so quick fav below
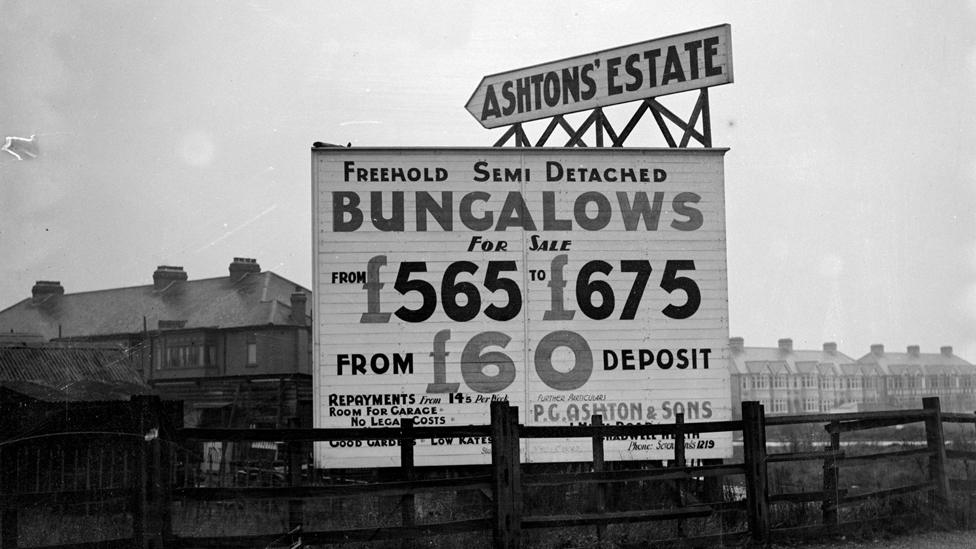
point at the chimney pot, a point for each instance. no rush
(45, 288)
(242, 266)
(877, 349)
(166, 275)
(914, 350)
(786, 345)
(830, 347)
(737, 344)
(946, 351)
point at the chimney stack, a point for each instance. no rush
(242, 266)
(786, 345)
(737, 344)
(946, 351)
(830, 347)
(914, 350)
(45, 288)
(298, 307)
(877, 349)
(166, 275)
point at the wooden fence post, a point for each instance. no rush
(935, 440)
(515, 453)
(831, 478)
(150, 514)
(754, 450)
(8, 475)
(503, 472)
(293, 449)
(408, 504)
(8, 507)
(679, 461)
(598, 466)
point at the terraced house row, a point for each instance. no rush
(236, 349)
(795, 381)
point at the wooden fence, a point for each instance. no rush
(157, 464)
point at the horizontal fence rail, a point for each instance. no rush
(151, 465)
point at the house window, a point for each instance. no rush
(186, 351)
(252, 349)
(811, 405)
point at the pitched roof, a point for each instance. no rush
(905, 369)
(793, 361)
(942, 369)
(258, 298)
(70, 371)
(767, 367)
(827, 369)
(915, 362)
(806, 366)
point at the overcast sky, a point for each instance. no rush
(178, 133)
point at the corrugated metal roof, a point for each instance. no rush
(70, 372)
(256, 299)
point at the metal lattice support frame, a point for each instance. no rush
(603, 130)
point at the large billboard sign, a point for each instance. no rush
(682, 62)
(569, 282)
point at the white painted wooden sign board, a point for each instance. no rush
(570, 282)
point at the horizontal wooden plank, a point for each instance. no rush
(863, 425)
(66, 497)
(338, 536)
(631, 475)
(393, 433)
(656, 429)
(802, 456)
(867, 458)
(582, 519)
(801, 497)
(719, 506)
(335, 490)
(957, 417)
(125, 543)
(289, 435)
(960, 454)
(908, 416)
(908, 489)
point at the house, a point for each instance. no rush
(791, 381)
(235, 349)
(787, 380)
(912, 374)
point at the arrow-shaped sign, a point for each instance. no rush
(681, 62)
